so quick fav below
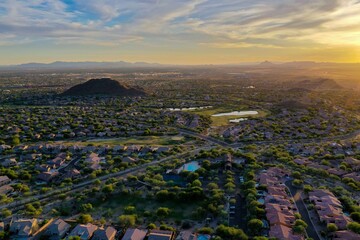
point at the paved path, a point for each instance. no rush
(296, 193)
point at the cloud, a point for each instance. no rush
(203, 23)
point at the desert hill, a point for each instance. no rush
(103, 86)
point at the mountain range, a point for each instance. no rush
(122, 64)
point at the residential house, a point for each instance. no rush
(128, 160)
(337, 172)
(93, 161)
(355, 176)
(47, 176)
(6, 189)
(162, 149)
(108, 233)
(23, 228)
(84, 231)
(134, 234)
(9, 162)
(73, 174)
(119, 148)
(329, 208)
(58, 161)
(353, 163)
(57, 230)
(4, 147)
(161, 235)
(4, 180)
(282, 232)
(345, 235)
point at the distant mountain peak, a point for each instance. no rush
(266, 63)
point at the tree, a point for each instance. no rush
(205, 230)
(129, 209)
(231, 233)
(15, 140)
(108, 189)
(162, 195)
(206, 164)
(308, 188)
(297, 182)
(355, 216)
(212, 186)
(196, 183)
(354, 226)
(162, 212)
(97, 182)
(255, 226)
(85, 208)
(299, 226)
(331, 227)
(74, 238)
(85, 218)
(6, 213)
(127, 220)
(151, 226)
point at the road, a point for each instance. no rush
(296, 193)
(204, 137)
(82, 185)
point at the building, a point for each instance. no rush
(2, 226)
(58, 161)
(6, 189)
(161, 235)
(329, 208)
(84, 231)
(10, 162)
(346, 235)
(93, 161)
(47, 176)
(108, 233)
(57, 230)
(4, 180)
(23, 228)
(134, 234)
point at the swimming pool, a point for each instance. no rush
(203, 237)
(191, 166)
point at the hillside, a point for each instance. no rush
(103, 86)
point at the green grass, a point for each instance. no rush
(224, 120)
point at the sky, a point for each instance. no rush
(179, 31)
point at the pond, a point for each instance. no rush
(237, 120)
(236, 113)
(191, 167)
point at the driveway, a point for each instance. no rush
(296, 193)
